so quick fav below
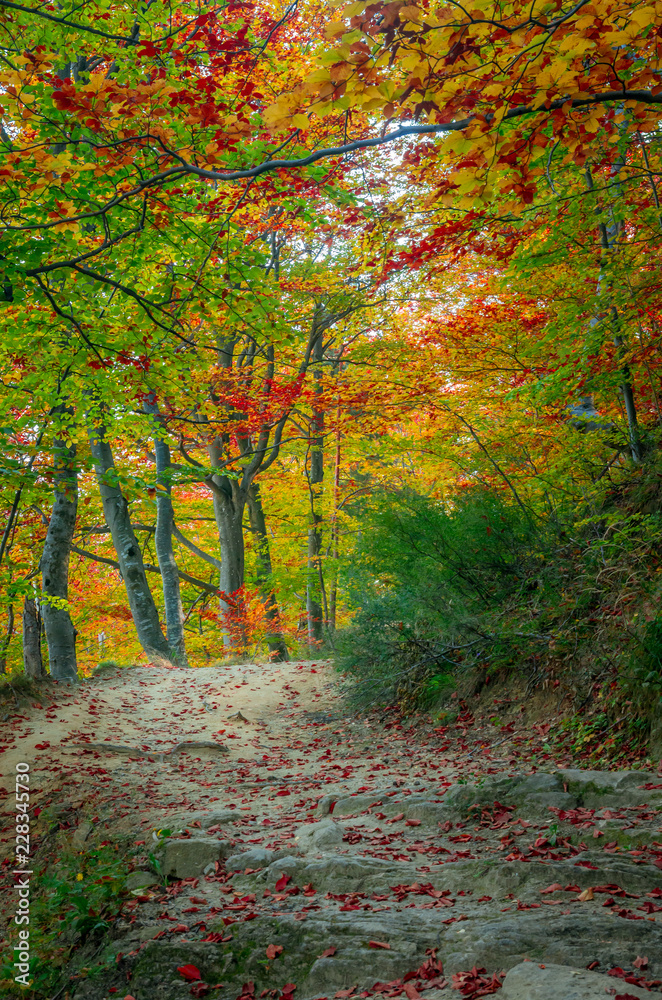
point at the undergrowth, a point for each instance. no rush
(457, 592)
(74, 901)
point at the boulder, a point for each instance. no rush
(578, 937)
(186, 858)
(619, 789)
(319, 836)
(529, 981)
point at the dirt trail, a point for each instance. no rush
(325, 855)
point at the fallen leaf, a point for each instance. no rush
(329, 952)
(274, 950)
(282, 882)
(189, 972)
(379, 944)
(584, 896)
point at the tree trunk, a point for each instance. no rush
(54, 565)
(315, 584)
(165, 555)
(33, 663)
(275, 640)
(608, 239)
(229, 505)
(333, 596)
(4, 645)
(116, 510)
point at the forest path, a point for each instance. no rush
(335, 854)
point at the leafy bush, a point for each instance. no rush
(483, 584)
(436, 584)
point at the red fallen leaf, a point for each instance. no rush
(593, 965)
(329, 952)
(42, 746)
(282, 882)
(379, 944)
(625, 996)
(200, 990)
(411, 992)
(189, 972)
(641, 962)
(554, 887)
(288, 989)
(274, 950)
(412, 822)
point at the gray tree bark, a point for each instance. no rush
(229, 505)
(275, 640)
(4, 645)
(165, 555)
(33, 664)
(54, 565)
(315, 583)
(116, 510)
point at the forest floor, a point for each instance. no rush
(317, 853)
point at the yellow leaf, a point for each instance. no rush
(300, 121)
(334, 29)
(352, 9)
(96, 83)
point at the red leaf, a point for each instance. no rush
(412, 822)
(274, 950)
(379, 944)
(329, 952)
(282, 882)
(189, 972)
(641, 962)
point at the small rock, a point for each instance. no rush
(206, 819)
(81, 834)
(325, 803)
(257, 857)
(140, 880)
(186, 858)
(237, 717)
(529, 981)
(318, 836)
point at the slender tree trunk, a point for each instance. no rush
(165, 555)
(315, 584)
(33, 663)
(4, 645)
(116, 510)
(333, 596)
(275, 640)
(60, 631)
(608, 240)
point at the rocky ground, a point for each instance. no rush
(323, 855)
